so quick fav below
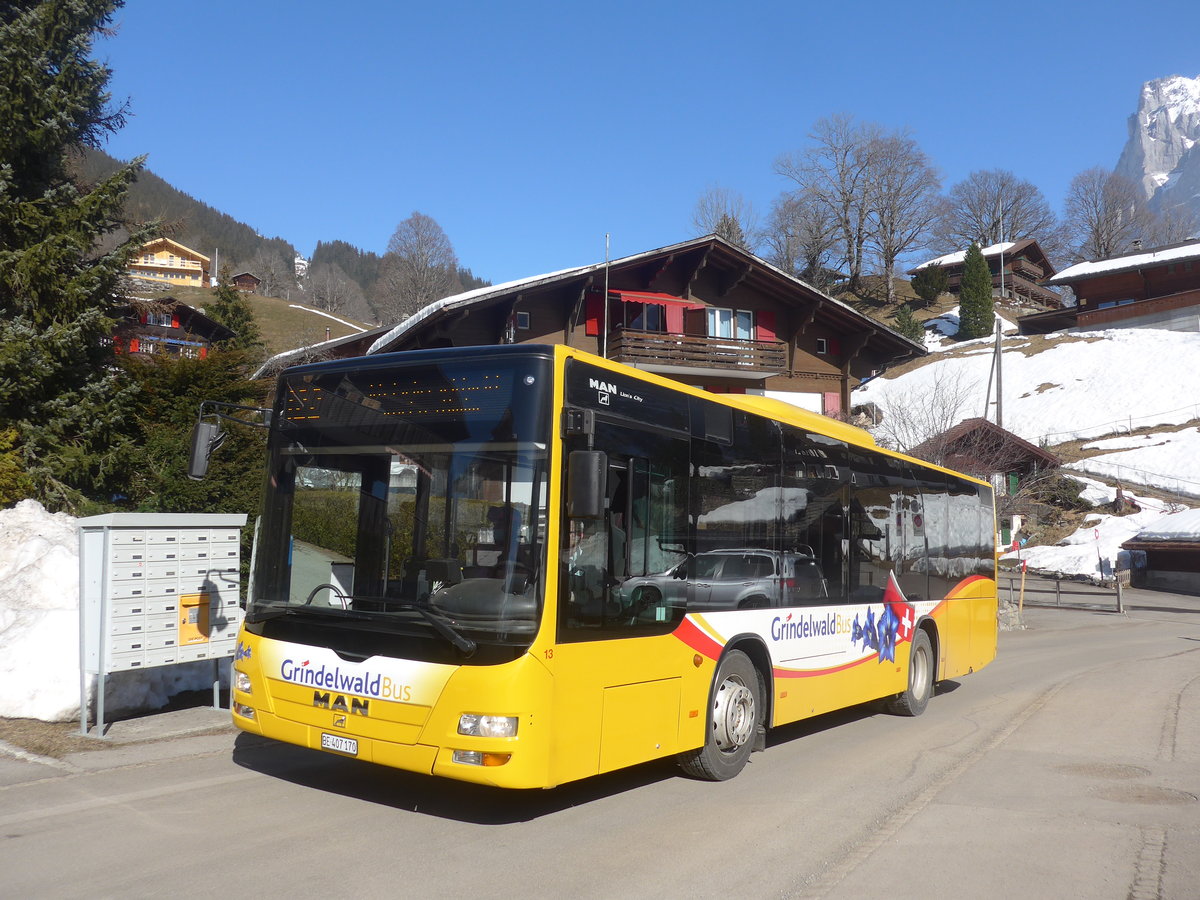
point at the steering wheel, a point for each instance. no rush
(337, 592)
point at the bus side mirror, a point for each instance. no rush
(206, 437)
(586, 472)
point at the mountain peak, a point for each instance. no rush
(1159, 154)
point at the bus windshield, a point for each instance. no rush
(408, 499)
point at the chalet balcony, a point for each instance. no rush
(680, 353)
(1027, 270)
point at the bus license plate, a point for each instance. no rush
(339, 743)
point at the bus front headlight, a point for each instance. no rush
(241, 681)
(487, 726)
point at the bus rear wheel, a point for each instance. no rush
(735, 712)
(920, 679)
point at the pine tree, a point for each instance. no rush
(930, 282)
(975, 305)
(231, 309)
(729, 228)
(907, 325)
(58, 287)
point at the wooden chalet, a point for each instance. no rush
(704, 312)
(982, 448)
(167, 328)
(1156, 288)
(1019, 277)
(169, 263)
(1166, 554)
(246, 282)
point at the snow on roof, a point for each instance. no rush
(954, 259)
(1180, 526)
(454, 301)
(1162, 256)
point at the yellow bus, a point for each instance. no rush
(524, 565)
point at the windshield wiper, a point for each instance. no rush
(441, 626)
(276, 610)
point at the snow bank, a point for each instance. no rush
(1100, 537)
(39, 628)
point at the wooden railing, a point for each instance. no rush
(643, 347)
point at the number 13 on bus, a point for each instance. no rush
(525, 565)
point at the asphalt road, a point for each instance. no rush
(1068, 768)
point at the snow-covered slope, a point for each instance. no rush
(1061, 387)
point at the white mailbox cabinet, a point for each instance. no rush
(156, 589)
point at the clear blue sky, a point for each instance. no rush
(529, 130)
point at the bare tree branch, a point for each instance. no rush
(727, 213)
(904, 186)
(990, 206)
(1105, 214)
(419, 267)
(800, 237)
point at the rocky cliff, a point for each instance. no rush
(1163, 151)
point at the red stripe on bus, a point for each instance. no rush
(698, 639)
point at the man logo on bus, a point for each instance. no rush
(337, 703)
(605, 390)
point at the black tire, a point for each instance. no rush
(912, 701)
(735, 715)
(754, 603)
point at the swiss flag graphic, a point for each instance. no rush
(904, 613)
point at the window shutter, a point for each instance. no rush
(831, 403)
(674, 319)
(595, 309)
(764, 325)
(133, 345)
(174, 320)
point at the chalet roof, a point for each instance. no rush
(713, 249)
(178, 246)
(309, 352)
(979, 427)
(191, 318)
(1139, 259)
(250, 274)
(1177, 528)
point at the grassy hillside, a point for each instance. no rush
(284, 325)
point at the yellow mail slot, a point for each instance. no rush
(193, 619)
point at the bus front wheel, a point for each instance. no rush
(920, 678)
(735, 712)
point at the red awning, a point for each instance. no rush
(655, 299)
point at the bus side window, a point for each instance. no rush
(618, 572)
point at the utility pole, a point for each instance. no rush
(999, 378)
